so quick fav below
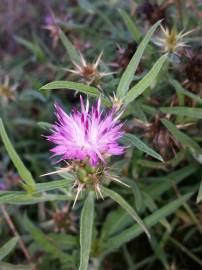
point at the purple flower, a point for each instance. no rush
(48, 19)
(3, 186)
(86, 135)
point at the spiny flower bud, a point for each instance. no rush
(89, 71)
(86, 139)
(52, 26)
(7, 91)
(170, 40)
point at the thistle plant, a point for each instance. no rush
(85, 140)
(113, 164)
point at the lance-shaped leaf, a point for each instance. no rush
(134, 231)
(8, 266)
(135, 141)
(8, 247)
(86, 89)
(121, 201)
(72, 52)
(184, 139)
(25, 198)
(199, 197)
(136, 34)
(83, 88)
(183, 111)
(86, 230)
(161, 184)
(22, 170)
(178, 87)
(128, 74)
(32, 46)
(45, 243)
(147, 81)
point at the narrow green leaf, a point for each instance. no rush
(120, 200)
(8, 266)
(128, 74)
(44, 125)
(24, 198)
(22, 170)
(64, 241)
(163, 183)
(186, 251)
(136, 34)
(118, 217)
(89, 90)
(184, 139)
(72, 52)
(83, 88)
(183, 111)
(53, 185)
(44, 242)
(146, 82)
(33, 47)
(135, 141)
(199, 197)
(178, 87)
(86, 230)
(134, 231)
(8, 247)
(87, 6)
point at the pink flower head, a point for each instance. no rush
(86, 135)
(48, 19)
(3, 186)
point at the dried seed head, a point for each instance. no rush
(173, 266)
(152, 12)
(52, 26)
(7, 91)
(125, 54)
(89, 71)
(80, 45)
(161, 139)
(170, 40)
(193, 70)
(116, 102)
(12, 179)
(64, 220)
